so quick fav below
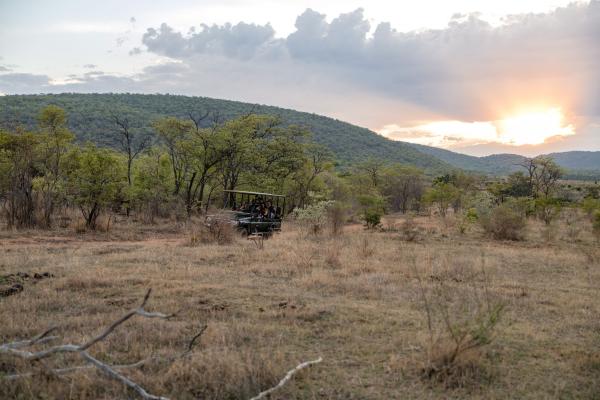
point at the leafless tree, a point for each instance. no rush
(130, 146)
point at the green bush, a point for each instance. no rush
(372, 218)
(590, 206)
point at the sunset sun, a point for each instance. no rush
(534, 127)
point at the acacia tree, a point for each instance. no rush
(152, 188)
(174, 133)
(206, 152)
(18, 160)
(319, 160)
(543, 175)
(373, 168)
(95, 178)
(54, 142)
(442, 195)
(403, 186)
(243, 150)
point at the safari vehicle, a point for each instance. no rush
(255, 212)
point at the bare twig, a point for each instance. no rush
(193, 341)
(286, 378)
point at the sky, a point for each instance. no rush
(477, 77)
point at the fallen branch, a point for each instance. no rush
(14, 348)
(286, 378)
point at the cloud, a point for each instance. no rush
(23, 83)
(443, 133)
(374, 75)
(90, 66)
(4, 69)
(470, 69)
(241, 41)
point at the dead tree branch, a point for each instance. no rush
(15, 348)
(286, 378)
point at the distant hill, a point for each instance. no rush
(578, 160)
(577, 164)
(90, 119)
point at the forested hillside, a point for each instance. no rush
(90, 118)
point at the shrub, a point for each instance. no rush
(332, 258)
(590, 206)
(216, 231)
(336, 215)
(504, 223)
(372, 218)
(313, 217)
(469, 217)
(461, 323)
(410, 231)
(547, 209)
(573, 222)
(453, 358)
(596, 225)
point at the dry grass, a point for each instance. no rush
(353, 299)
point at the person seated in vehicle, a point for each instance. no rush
(271, 210)
(265, 211)
(253, 207)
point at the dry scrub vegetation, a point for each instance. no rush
(416, 309)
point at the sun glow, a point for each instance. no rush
(533, 127)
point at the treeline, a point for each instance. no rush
(186, 165)
(183, 171)
(501, 207)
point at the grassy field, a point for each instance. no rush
(374, 305)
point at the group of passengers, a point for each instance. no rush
(261, 209)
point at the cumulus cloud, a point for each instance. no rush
(4, 69)
(469, 69)
(241, 41)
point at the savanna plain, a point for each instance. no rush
(415, 309)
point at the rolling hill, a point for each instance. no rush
(90, 119)
(577, 164)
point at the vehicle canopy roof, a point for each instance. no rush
(253, 193)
